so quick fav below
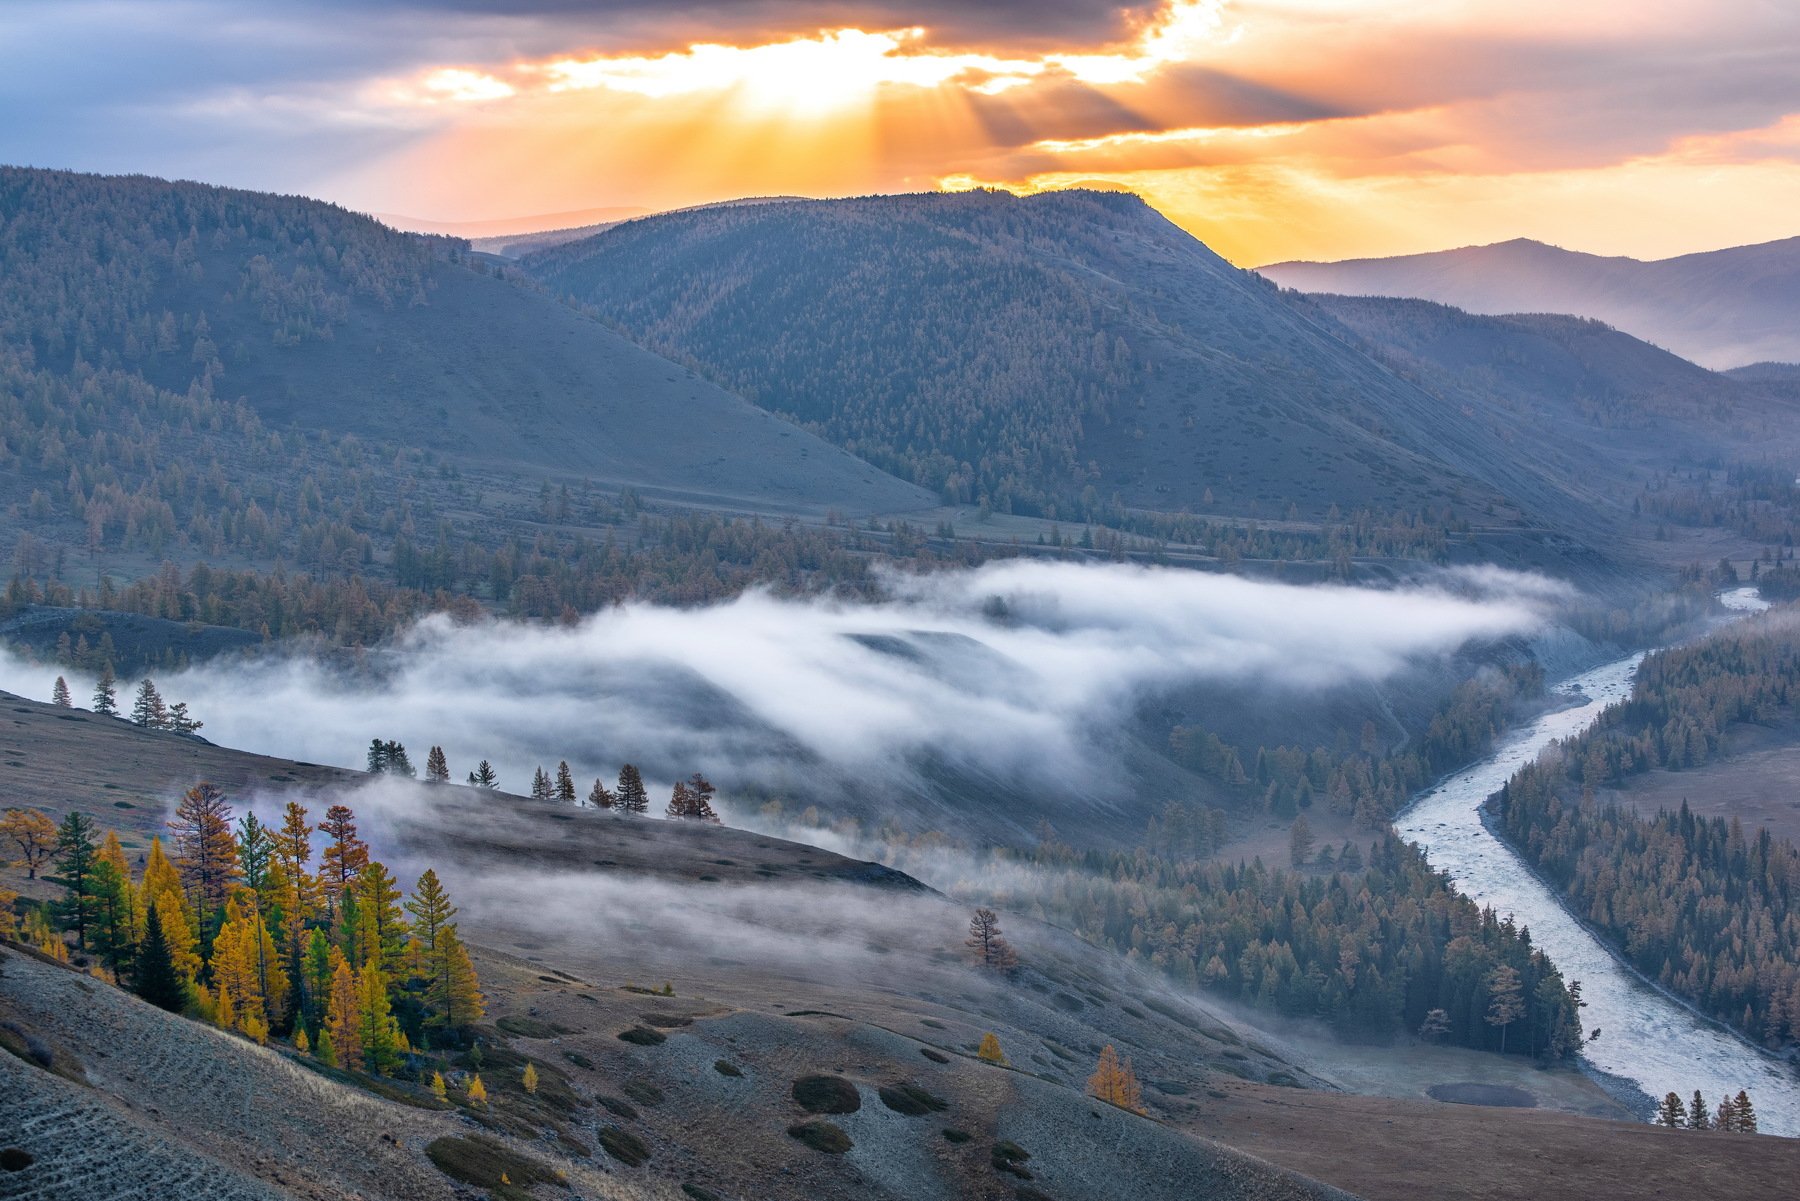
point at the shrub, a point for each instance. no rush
(910, 1099)
(528, 1027)
(725, 1067)
(826, 1094)
(643, 1036)
(1008, 1156)
(643, 1092)
(617, 1107)
(488, 1164)
(952, 1135)
(624, 1146)
(934, 1056)
(821, 1135)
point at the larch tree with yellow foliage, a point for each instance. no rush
(453, 992)
(477, 1090)
(342, 1017)
(377, 1032)
(529, 1080)
(1114, 1082)
(990, 1051)
(381, 930)
(162, 887)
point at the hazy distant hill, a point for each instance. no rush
(1043, 352)
(320, 318)
(1722, 308)
(517, 244)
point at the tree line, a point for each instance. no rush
(239, 925)
(1694, 903)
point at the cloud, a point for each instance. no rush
(1023, 673)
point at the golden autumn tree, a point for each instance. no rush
(529, 1080)
(345, 855)
(453, 991)
(1114, 1082)
(381, 930)
(377, 1033)
(162, 888)
(206, 854)
(342, 1016)
(989, 1050)
(477, 1090)
(30, 836)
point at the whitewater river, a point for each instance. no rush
(1646, 1038)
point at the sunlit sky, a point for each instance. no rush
(1272, 129)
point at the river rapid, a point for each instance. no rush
(1648, 1040)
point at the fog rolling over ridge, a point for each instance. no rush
(1022, 674)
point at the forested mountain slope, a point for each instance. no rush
(1026, 350)
(1591, 405)
(1050, 353)
(1721, 308)
(127, 293)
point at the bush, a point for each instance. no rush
(952, 1135)
(643, 1036)
(1010, 1157)
(826, 1094)
(910, 1099)
(821, 1135)
(725, 1067)
(617, 1107)
(624, 1146)
(526, 1027)
(488, 1164)
(934, 1056)
(643, 1092)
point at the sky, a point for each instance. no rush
(1271, 129)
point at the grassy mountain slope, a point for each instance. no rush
(1721, 308)
(322, 319)
(1026, 350)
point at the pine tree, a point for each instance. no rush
(33, 834)
(431, 910)
(106, 693)
(600, 798)
(157, 980)
(345, 855)
(437, 768)
(326, 1051)
(381, 927)
(163, 888)
(1744, 1114)
(1435, 1026)
(112, 905)
(292, 846)
(343, 1020)
(454, 992)
(1114, 1083)
(1697, 1113)
(681, 802)
(1725, 1116)
(398, 762)
(59, 694)
(540, 786)
(148, 710)
(1300, 842)
(256, 854)
(377, 1031)
(700, 794)
(1672, 1113)
(205, 854)
(1506, 1000)
(377, 761)
(180, 722)
(565, 783)
(989, 1051)
(484, 776)
(529, 1080)
(75, 855)
(990, 947)
(632, 796)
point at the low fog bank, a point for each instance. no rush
(1017, 678)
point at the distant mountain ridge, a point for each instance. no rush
(1719, 308)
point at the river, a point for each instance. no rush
(1647, 1039)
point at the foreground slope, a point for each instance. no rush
(322, 319)
(1721, 308)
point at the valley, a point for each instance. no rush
(928, 556)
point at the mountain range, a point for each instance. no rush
(1720, 308)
